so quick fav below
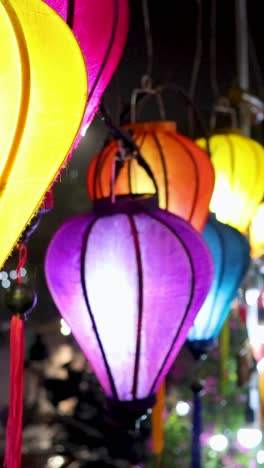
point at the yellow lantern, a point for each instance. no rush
(256, 232)
(43, 93)
(239, 174)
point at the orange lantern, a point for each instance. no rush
(182, 171)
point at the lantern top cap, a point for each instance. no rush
(129, 204)
(159, 126)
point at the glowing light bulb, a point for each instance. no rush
(251, 296)
(13, 274)
(56, 462)
(182, 408)
(249, 437)
(260, 457)
(6, 283)
(65, 329)
(218, 442)
(260, 366)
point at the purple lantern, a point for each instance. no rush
(101, 28)
(129, 281)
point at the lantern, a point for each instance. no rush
(182, 171)
(239, 171)
(256, 232)
(230, 252)
(101, 29)
(43, 96)
(129, 283)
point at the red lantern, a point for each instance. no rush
(100, 28)
(182, 171)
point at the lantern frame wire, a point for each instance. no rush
(129, 146)
(130, 207)
(126, 146)
(191, 295)
(70, 22)
(204, 343)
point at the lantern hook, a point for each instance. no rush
(127, 148)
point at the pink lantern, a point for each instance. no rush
(101, 28)
(129, 282)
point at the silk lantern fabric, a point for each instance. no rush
(239, 171)
(43, 96)
(182, 171)
(129, 285)
(230, 252)
(256, 232)
(101, 28)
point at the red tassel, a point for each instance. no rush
(15, 416)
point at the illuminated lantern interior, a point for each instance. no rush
(230, 252)
(256, 232)
(239, 173)
(101, 29)
(43, 95)
(129, 285)
(182, 171)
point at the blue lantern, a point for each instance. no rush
(231, 257)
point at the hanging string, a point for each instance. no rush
(256, 65)
(213, 74)
(196, 61)
(146, 78)
(22, 258)
(198, 50)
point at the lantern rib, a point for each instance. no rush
(195, 196)
(185, 315)
(156, 140)
(25, 92)
(245, 265)
(258, 172)
(232, 163)
(102, 158)
(70, 13)
(130, 162)
(86, 298)
(222, 270)
(108, 50)
(140, 303)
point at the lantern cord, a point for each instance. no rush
(146, 78)
(255, 64)
(198, 50)
(22, 258)
(171, 86)
(130, 147)
(213, 74)
(15, 415)
(196, 62)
